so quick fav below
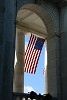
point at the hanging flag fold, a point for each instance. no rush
(32, 53)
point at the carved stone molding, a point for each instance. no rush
(38, 1)
(62, 3)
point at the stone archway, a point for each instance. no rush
(53, 21)
(49, 17)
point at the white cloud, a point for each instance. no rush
(28, 89)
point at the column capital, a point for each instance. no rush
(18, 30)
(53, 36)
(21, 29)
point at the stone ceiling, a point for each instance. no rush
(30, 22)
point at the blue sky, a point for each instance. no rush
(36, 81)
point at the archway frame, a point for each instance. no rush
(50, 17)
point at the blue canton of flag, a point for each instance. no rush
(32, 53)
(39, 43)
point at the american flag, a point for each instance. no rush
(32, 53)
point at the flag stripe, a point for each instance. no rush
(32, 53)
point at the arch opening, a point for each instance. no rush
(39, 22)
(29, 22)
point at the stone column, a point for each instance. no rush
(19, 68)
(7, 30)
(46, 87)
(63, 28)
(2, 17)
(46, 82)
(53, 66)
